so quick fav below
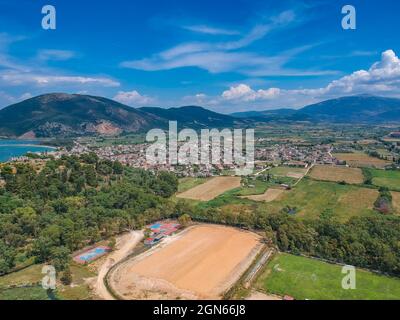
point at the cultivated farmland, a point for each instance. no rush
(361, 160)
(337, 174)
(311, 198)
(269, 195)
(396, 201)
(385, 178)
(305, 278)
(201, 262)
(211, 189)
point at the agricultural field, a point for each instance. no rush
(396, 201)
(290, 172)
(201, 262)
(361, 160)
(311, 198)
(211, 189)
(305, 278)
(189, 183)
(385, 178)
(269, 195)
(337, 174)
(33, 276)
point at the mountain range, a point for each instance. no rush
(352, 109)
(63, 115)
(60, 114)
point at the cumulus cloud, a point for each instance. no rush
(243, 92)
(133, 98)
(382, 78)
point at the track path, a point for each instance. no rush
(125, 244)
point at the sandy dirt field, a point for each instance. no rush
(211, 189)
(125, 244)
(269, 195)
(396, 201)
(337, 174)
(361, 160)
(201, 262)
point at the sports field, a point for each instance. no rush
(305, 278)
(337, 174)
(211, 189)
(269, 195)
(201, 262)
(386, 178)
(312, 198)
(361, 160)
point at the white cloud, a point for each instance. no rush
(15, 72)
(16, 78)
(211, 30)
(133, 98)
(58, 55)
(243, 92)
(382, 78)
(6, 99)
(218, 57)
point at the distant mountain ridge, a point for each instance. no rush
(351, 109)
(193, 117)
(60, 114)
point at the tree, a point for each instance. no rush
(60, 258)
(185, 220)
(112, 242)
(147, 233)
(66, 277)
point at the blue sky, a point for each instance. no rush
(228, 56)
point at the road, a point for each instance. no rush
(124, 246)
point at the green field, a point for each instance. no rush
(189, 183)
(283, 171)
(386, 178)
(34, 293)
(33, 275)
(311, 198)
(304, 278)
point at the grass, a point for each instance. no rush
(305, 278)
(33, 275)
(34, 293)
(283, 171)
(386, 178)
(359, 159)
(189, 183)
(311, 198)
(337, 174)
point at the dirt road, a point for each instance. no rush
(124, 246)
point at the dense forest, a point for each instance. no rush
(46, 213)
